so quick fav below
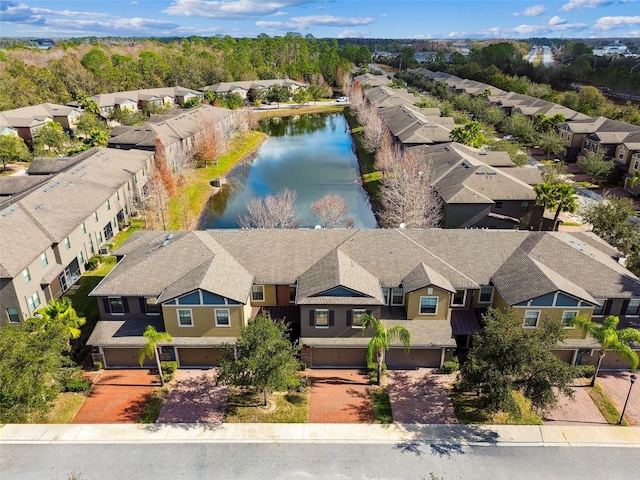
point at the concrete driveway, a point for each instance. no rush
(194, 398)
(339, 396)
(118, 396)
(421, 396)
(617, 384)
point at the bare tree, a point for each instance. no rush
(157, 198)
(387, 154)
(247, 119)
(330, 211)
(408, 197)
(374, 127)
(272, 211)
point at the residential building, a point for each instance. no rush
(410, 125)
(26, 121)
(242, 87)
(203, 286)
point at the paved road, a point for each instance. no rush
(311, 461)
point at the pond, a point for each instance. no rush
(311, 154)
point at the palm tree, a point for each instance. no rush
(381, 341)
(545, 198)
(62, 313)
(610, 338)
(635, 179)
(150, 350)
(565, 201)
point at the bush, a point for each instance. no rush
(94, 262)
(77, 385)
(585, 371)
(97, 365)
(451, 366)
(169, 368)
(372, 371)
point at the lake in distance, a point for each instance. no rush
(311, 154)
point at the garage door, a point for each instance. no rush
(396, 358)
(200, 357)
(613, 361)
(125, 357)
(338, 357)
(564, 355)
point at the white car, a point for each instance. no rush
(342, 99)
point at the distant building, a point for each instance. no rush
(615, 48)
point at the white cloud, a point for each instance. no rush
(573, 4)
(304, 23)
(534, 11)
(609, 23)
(351, 33)
(522, 31)
(230, 8)
(13, 12)
(556, 20)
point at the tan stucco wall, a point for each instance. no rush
(203, 321)
(270, 298)
(556, 312)
(412, 301)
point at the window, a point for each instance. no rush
(397, 296)
(322, 319)
(567, 316)
(67, 243)
(184, 317)
(95, 217)
(486, 294)
(636, 165)
(81, 258)
(222, 317)
(91, 248)
(43, 259)
(531, 318)
(292, 293)
(257, 293)
(598, 310)
(118, 195)
(385, 295)
(34, 302)
(621, 154)
(108, 205)
(83, 228)
(633, 307)
(116, 305)
(459, 298)
(26, 275)
(356, 317)
(12, 313)
(498, 205)
(428, 305)
(99, 237)
(150, 306)
(524, 207)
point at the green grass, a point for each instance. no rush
(571, 224)
(5, 172)
(605, 405)
(65, 408)
(184, 209)
(153, 406)
(471, 409)
(288, 112)
(372, 177)
(365, 159)
(381, 406)
(246, 406)
(136, 224)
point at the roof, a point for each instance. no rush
(49, 165)
(114, 98)
(27, 116)
(424, 276)
(17, 184)
(225, 87)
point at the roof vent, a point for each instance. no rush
(10, 211)
(167, 240)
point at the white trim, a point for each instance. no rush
(353, 311)
(261, 288)
(315, 317)
(190, 315)
(391, 297)
(525, 318)
(480, 293)
(570, 327)
(215, 317)
(420, 305)
(111, 312)
(464, 298)
(631, 314)
(604, 305)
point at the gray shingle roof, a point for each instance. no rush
(424, 276)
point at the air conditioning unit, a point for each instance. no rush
(104, 250)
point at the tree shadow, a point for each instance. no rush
(446, 440)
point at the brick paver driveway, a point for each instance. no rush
(118, 396)
(616, 384)
(194, 398)
(421, 396)
(339, 396)
(579, 410)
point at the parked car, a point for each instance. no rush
(342, 99)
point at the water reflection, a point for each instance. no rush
(311, 154)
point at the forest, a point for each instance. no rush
(73, 68)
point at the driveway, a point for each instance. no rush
(339, 396)
(579, 410)
(617, 384)
(194, 398)
(118, 396)
(421, 396)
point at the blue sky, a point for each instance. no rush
(419, 19)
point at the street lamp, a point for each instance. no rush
(632, 379)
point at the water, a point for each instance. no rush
(311, 154)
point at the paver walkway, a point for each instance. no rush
(119, 396)
(339, 396)
(195, 398)
(579, 410)
(616, 384)
(421, 396)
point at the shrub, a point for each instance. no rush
(372, 371)
(94, 262)
(585, 371)
(168, 368)
(97, 365)
(451, 366)
(77, 385)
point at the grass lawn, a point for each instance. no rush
(370, 178)
(605, 405)
(153, 406)
(381, 406)
(65, 408)
(184, 209)
(246, 406)
(11, 168)
(470, 409)
(136, 224)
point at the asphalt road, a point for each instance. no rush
(313, 461)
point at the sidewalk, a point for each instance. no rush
(493, 435)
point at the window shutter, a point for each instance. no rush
(143, 305)
(125, 305)
(607, 307)
(349, 315)
(331, 318)
(107, 307)
(312, 317)
(625, 304)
